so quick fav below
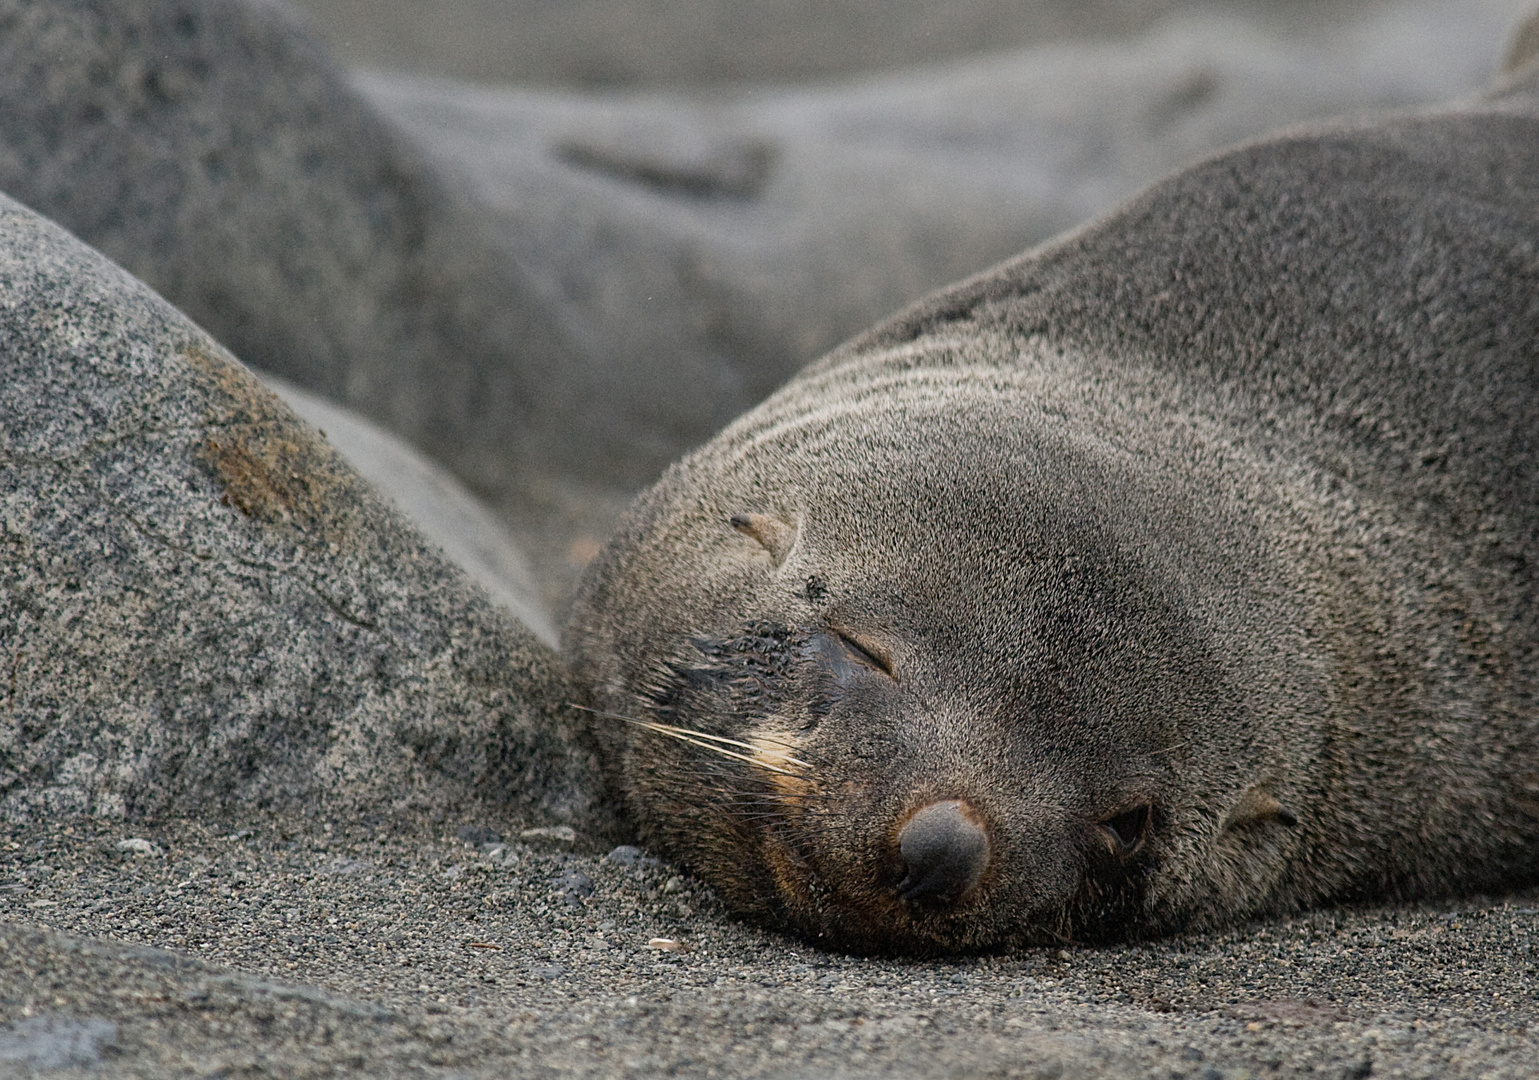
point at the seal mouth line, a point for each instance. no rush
(705, 740)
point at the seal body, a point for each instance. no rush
(1180, 571)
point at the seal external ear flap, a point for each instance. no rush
(1523, 49)
(1256, 806)
(775, 535)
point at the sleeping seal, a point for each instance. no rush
(1179, 571)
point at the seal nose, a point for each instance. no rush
(944, 853)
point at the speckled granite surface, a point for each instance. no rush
(202, 606)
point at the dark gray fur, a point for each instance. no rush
(1225, 506)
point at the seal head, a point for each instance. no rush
(1177, 572)
(973, 673)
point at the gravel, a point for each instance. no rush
(301, 947)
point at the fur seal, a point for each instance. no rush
(1179, 571)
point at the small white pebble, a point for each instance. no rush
(139, 847)
(564, 833)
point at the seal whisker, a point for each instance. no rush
(683, 736)
(705, 740)
(747, 796)
(659, 726)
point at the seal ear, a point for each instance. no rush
(1256, 806)
(775, 535)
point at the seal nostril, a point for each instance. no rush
(944, 853)
(1128, 829)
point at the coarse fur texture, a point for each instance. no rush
(1191, 556)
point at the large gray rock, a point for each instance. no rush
(433, 500)
(204, 611)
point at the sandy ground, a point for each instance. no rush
(304, 948)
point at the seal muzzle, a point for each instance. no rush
(944, 853)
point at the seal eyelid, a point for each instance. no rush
(868, 654)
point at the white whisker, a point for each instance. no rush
(705, 740)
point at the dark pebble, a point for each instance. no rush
(477, 834)
(576, 882)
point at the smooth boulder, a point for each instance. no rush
(433, 500)
(204, 611)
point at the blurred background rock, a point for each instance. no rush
(672, 43)
(717, 192)
(554, 244)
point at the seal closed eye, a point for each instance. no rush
(1177, 572)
